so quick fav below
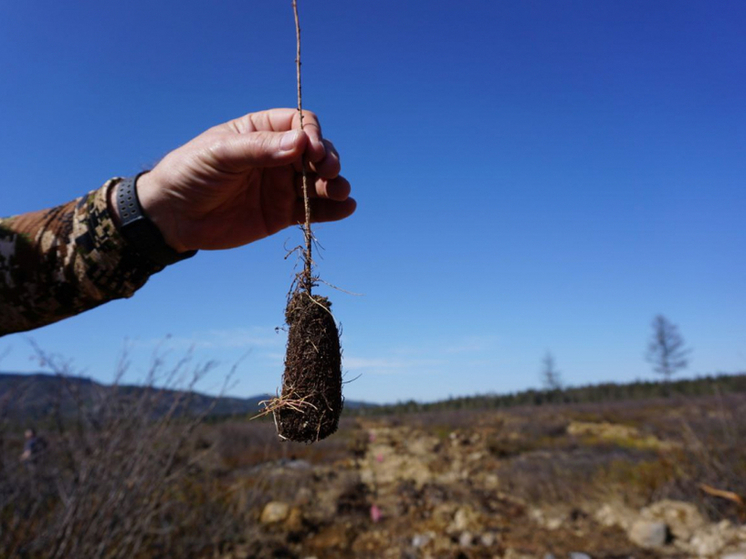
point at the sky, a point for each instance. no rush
(531, 176)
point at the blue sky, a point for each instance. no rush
(531, 176)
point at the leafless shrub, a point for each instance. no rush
(113, 477)
(715, 448)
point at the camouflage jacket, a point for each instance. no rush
(59, 262)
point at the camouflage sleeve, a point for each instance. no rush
(60, 262)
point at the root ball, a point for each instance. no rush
(311, 400)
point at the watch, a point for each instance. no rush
(139, 231)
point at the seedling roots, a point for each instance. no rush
(311, 402)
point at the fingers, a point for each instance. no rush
(289, 119)
(240, 152)
(329, 165)
(337, 188)
(316, 149)
(273, 120)
(281, 120)
(325, 210)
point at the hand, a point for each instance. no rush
(241, 181)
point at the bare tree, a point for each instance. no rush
(551, 378)
(666, 350)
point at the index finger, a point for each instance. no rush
(281, 120)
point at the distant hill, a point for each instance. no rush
(31, 396)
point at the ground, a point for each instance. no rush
(604, 481)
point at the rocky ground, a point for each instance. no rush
(562, 483)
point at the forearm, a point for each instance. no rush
(59, 262)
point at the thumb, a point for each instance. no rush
(239, 152)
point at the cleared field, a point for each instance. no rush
(639, 479)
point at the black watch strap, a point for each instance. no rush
(139, 231)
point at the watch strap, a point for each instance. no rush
(139, 231)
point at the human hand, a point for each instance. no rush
(241, 181)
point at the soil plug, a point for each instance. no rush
(311, 402)
(311, 399)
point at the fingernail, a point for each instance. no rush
(288, 140)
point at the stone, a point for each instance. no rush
(718, 539)
(387, 463)
(464, 519)
(274, 512)
(551, 520)
(421, 540)
(488, 539)
(537, 515)
(648, 534)
(294, 521)
(616, 515)
(465, 539)
(579, 555)
(737, 555)
(683, 519)
(491, 481)
(708, 542)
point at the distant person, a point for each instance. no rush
(33, 447)
(236, 183)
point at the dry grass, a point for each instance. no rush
(242, 444)
(112, 478)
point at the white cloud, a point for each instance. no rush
(387, 365)
(235, 338)
(424, 358)
(244, 337)
(473, 344)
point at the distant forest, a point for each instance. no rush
(33, 397)
(720, 384)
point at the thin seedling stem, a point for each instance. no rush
(307, 277)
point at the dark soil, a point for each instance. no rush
(311, 400)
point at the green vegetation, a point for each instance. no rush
(596, 393)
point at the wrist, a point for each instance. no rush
(158, 211)
(145, 230)
(111, 203)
